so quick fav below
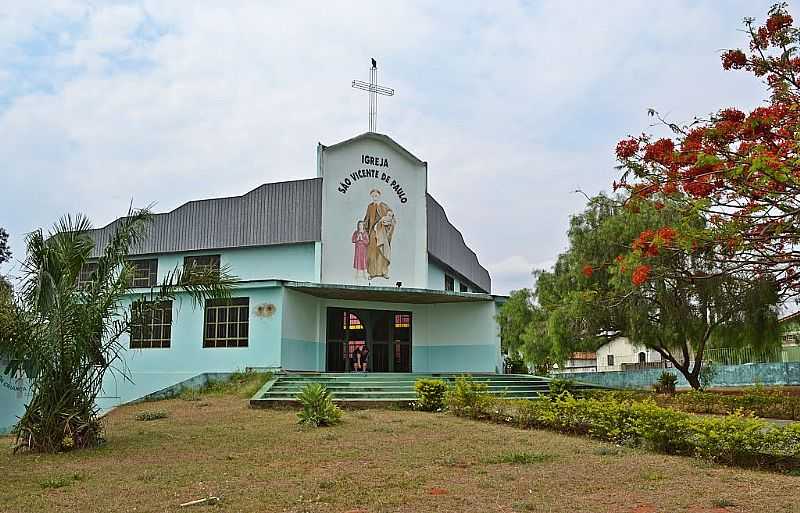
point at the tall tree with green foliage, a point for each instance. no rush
(66, 334)
(677, 303)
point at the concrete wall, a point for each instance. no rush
(727, 376)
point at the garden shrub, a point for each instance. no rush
(430, 394)
(708, 372)
(560, 386)
(465, 397)
(733, 440)
(666, 383)
(318, 407)
(515, 364)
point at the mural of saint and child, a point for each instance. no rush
(373, 239)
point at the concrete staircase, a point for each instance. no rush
(389, 388)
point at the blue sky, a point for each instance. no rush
(513, 104)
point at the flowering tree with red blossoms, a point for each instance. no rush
(739, 171)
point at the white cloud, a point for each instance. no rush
(514, 105)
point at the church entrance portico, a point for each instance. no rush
(364, 340)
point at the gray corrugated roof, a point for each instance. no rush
(446, 244)
(275, 213)
(280, 213)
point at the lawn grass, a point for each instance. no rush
(375, 461)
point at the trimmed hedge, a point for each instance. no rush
(761, 403)
(733, 440)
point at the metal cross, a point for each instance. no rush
(374, 90)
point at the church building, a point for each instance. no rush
(355, 270)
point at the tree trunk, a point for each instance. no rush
(692, 379)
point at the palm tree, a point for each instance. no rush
(66, 335)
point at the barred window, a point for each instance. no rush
(151, 324)
(144, 272)
(227, 322)
(449, 283)
(202, 262)
(87, 273)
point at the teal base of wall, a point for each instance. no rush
(455, 358)
(727, 376)
(301, 355)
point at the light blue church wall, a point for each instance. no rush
(150, 370)
(300, 336)
(459, 337)
(435, 277)
(292, 262)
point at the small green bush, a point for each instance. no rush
(666, 383)
(148, 415)
(318, 407)
(559, 386)
(60, 482)
(465, 396)
(430, 394)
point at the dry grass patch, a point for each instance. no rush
(375, 461)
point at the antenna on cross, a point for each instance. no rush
(374, 90)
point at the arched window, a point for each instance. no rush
(642, 357)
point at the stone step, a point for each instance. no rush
(401, 379)
(335, 386)
(399, 394)
(393, 387)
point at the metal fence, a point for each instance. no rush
(663, 364)
(739, 356)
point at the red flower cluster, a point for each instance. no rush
(698, 188)
(660, 151)
(734, 59)
(650, 241)
(587, 271)
(732, 115)
(778, 22)
(627, 148)
(640, 274)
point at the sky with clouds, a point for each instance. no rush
(514, 105)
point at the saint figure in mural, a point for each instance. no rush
(361, 242)
(379, 221)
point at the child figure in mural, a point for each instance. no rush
(380, 223)
(361, 242)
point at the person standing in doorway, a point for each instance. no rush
(364, 358)
(355, 359)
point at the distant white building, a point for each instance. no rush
(577, 362)
(620, 354)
